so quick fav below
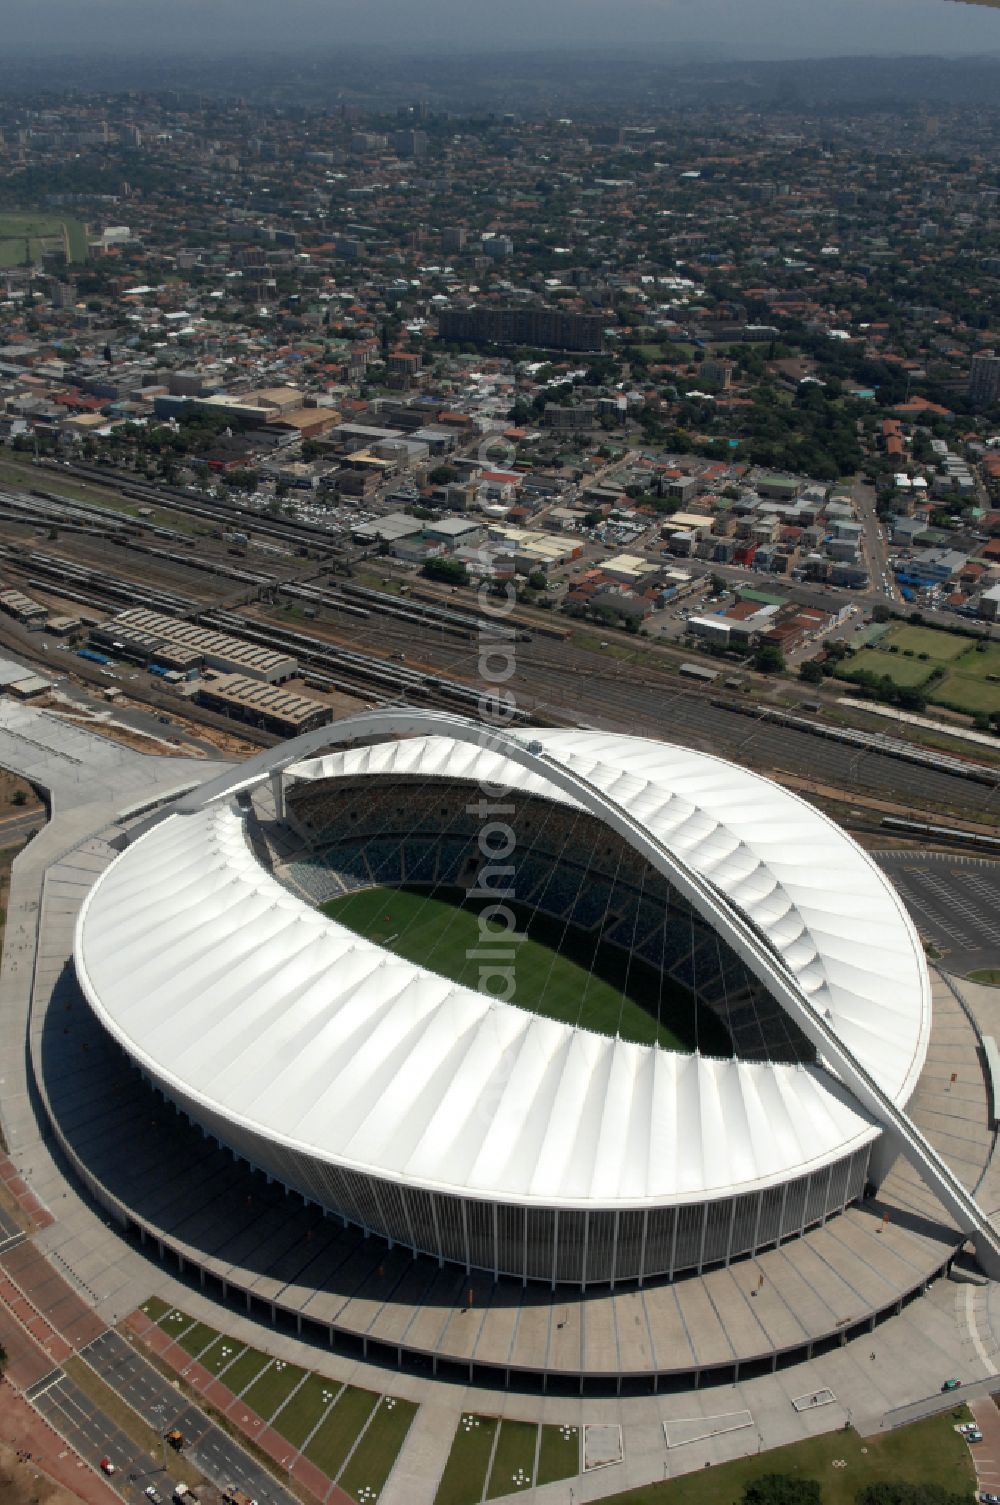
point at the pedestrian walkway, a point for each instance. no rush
(36, 1215)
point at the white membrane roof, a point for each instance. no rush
(236, 995)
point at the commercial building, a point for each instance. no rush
(630, 569)
(534, 550)
(984, 379)
(388, 529)
(455, 532)
(545, 328)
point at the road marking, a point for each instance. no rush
(44, 1385)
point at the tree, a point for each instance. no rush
(909, 698)
(891, 1492)
(769, 659)
(441, 475)
(451, 571)
(536, 580)
(782, 1489)
(811, 672)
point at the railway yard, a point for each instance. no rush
(363, 636)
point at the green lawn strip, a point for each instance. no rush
(273, 1387)
(245, 1370)
(558, 1455)
(464, 1474)
(176, 1323)
(908, 672)
(371, 1462)
(195, 1339)
(938, 645)
(223, 1352)
(966, 692)
(155, 1308)
(979, 660)
(339, 1432)
(44, 232)
(557, 974)
(929, 1452)
(514, 1459)
(306, 1409)
(990, 975)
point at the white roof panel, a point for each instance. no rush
(235, 994)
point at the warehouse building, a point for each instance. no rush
(23, 609)
(262, 705)
(148, 637)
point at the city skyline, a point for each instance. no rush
(770, 29)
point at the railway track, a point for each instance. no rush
(565, 684)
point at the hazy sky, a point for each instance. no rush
(752, 28)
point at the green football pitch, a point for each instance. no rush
(29, 235)
(562, 973)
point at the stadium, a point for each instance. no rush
(565, 1006)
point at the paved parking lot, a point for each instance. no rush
(955, 904)
(219, 1458)
(10, 1233)
(986, 1454)
(94, 1436)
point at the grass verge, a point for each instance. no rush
(155, 1309)
(464, 1476)
(371, 1462)
(306, 1409)
(272, 1388)
(558, 1454)
(340, 1430)
(514, 1460)
(929, 1452)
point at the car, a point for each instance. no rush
(107, 1467)
(987, 1499)
(152, 1493)
(952, 1384)
(973, 1435)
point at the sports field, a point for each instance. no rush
(561, 973)
(32, 233)
(905, 672)
(940, 646)
(970, 679)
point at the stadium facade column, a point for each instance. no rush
(883, 1156)
(278, 793)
